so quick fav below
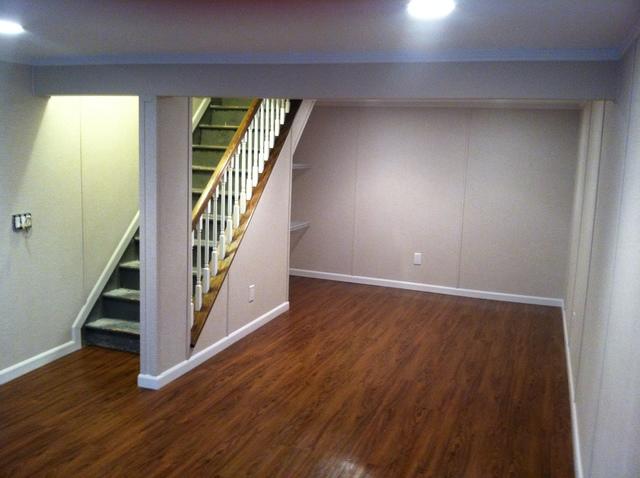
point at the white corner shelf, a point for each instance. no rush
(298, 225)
(301, 166)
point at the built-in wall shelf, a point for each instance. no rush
(299, 166)
(298, 225)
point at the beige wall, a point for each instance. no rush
(109, 146)
(63, 159)
(484, 194)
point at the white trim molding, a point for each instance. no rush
(38, 361)
(155, 382)
(199, 112)
(575, 431)
(436, 289)
(100, 284)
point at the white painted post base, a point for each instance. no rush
(243, 203)
(214, 262)
(222, 245)
(236, 215)
(206, 278)
(198, 304)
(229, 230)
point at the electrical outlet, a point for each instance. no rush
(417, 258)
(252, 293)
(21, 222)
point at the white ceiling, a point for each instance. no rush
(305, 31)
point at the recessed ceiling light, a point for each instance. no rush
(8, 27)
(430, 9)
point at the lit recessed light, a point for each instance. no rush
(430, 9)
(8, 27)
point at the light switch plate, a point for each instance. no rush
(252, 293)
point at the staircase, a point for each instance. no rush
(232, 146)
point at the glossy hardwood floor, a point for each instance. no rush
(355, 381)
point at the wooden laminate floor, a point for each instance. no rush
(355, 381)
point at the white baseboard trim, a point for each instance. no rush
(37, 361)
(575, 435)
(436, 289)
(95, 293)
(155, 382)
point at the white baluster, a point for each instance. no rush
(223, 217)
(282, 111)
(198, 297)
(192, 310)
(229, 227)
(236, 192)
(263, 137)
(206, 272)
(256, 152)
(272, 125)
(249, 171)
(215, 253)
(287, 105)
(243, 172)
(277, 118)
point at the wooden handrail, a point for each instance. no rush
(210, 188)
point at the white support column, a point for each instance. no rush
(165, 198)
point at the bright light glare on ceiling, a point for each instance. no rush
(8, 27)
(430, 9)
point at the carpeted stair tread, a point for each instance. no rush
(115, 325)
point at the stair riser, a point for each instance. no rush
(111, 340)
(199, 179)
(130, 278)
(216, 136)
(121, 309)
(227, 117)
(206, 158)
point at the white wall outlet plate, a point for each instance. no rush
(252, 293)
(417, 258)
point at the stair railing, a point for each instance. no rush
(217, 213)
